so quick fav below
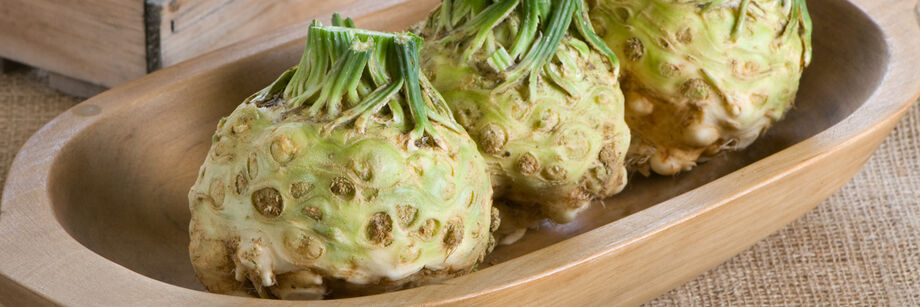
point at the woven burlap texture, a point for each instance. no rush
(860, 247)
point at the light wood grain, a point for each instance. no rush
(100, 193)
(100, 41)
(73, 87)
(189, 28)
(110, 42)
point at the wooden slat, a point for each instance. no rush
(73, 87)
(109, 42)
(100, 41)
(191, 27)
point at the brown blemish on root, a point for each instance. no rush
(668, 69)
(685, 36)
(427, 230)
(314, 213)
(242, 124)
(527, 164)
(217, 193)
(695, 89)
(664, 43)
(555, 173)
(241, 183)
(309, 247)
(634, 49)
(608, 155)
(453, 233)
(468, 114)
(597, 177)
(379, 229)
(282, 149)
(268, 202)
(406, 214)
(492, 139)
(343, 187)
(300, 189)
(578, 198)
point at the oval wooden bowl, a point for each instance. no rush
(95, 209)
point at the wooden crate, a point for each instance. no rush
(109, 42)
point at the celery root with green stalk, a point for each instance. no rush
(702, 76)
(347, 175)
(537, 89)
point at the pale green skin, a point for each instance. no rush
(697, 85)
(409, 214)
(564, 133)
(442, 185)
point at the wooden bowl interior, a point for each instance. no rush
(121, 187)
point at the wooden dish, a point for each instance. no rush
(95, 209)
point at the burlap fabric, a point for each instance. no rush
(860, 247)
